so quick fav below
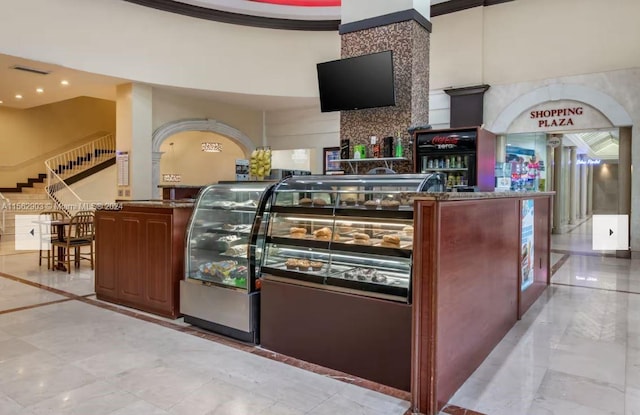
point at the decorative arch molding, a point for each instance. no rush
(196, 124)
(604, 103)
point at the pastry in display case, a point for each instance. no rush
(220, 290)
(345, 233)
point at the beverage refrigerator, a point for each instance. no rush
(465, 155)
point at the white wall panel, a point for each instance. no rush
(142, 44)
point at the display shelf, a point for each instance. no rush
(251, 210)
(402, 213)
(219, 291)
(342, 246)
(392, 262)
(446, 169)
(303, 210)
(388, 162)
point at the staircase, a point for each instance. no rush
(51, 190)
(74, 165)
(31, 201)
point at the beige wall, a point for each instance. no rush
(129, 41)
(456, 49)
(605, 189)
(35, 134)
(304, 128)
(98, 187)
(194, 165)
(532, 40)
(169, 106)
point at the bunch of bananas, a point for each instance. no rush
(260, 163)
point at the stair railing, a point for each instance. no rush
(73, 162)
(4, 205)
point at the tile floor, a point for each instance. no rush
(577, 351)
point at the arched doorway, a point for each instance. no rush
(571, 112)
(169, 129)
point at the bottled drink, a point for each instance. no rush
(376, 150)
(398, 150)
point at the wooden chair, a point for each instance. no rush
(79, 234)
(48, 234)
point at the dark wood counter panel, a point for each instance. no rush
(467, 285)
(140, 255)
(174, 192)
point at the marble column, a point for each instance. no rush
(558, 200)
(583, 191)
(501, 149)
(155, 158)
(549, 170)
(624, 179)
(133, 135)
(589, 190)
(573, 189)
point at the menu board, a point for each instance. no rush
(526, 243)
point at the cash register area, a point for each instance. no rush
(576, 351)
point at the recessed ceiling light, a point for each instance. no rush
(64, 82)
(18, 96)
(39, 90)
(1, 102)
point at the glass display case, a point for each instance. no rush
(223, 239)
(347, 233)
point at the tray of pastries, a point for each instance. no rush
(385, 241)
(373, 275)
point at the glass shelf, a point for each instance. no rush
(388, 162)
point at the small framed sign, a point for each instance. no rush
(331, 161)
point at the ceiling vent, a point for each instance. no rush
(29, 69)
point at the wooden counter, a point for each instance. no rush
(176, 192)
(140, 255)
(467, 283)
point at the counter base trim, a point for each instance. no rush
(247, 337)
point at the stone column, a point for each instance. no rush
(558, 200)
(501, 149)
(583, 191)
(155, 177)
(624, 179)
(573, 194)
(589, 190)
(549, 170)
(133, 135)
(402, 26)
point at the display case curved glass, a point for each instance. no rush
(220, 289)
(346, 233)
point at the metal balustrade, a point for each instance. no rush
(71, 163)
(4, 203)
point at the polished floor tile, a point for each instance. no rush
(576, 351)
(583, 391)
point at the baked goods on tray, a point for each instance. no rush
(296, 232)
(390, 241)
(350, 201)
(236, 250)
(303, 264)
(371, 204)
(305, 201)
(390, 204)
(323, 233)
(361, 239)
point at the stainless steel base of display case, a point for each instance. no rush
(222, 310)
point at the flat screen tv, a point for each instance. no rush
(356, 83)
